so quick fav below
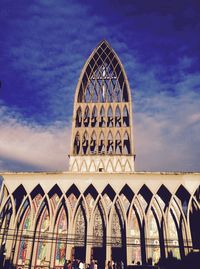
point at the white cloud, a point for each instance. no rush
(168, 140)
(43, 148)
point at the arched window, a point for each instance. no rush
(125, 117)
(42, 245)
(93, 143)
(94, 117)
(78, 117)
(85, 143)
(110, 117)
(110, 146)
(61, 240)
(154, 249)
(135, 234)
(117, 117)
(76, 144)
(173, 244)
(80, 234)
(24, 228)
(126, 144)
(118, 144)
(86, 118)
(101, 146)
(102, 117)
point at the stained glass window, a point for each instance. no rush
(61, 240)
(108, 201)
(72, 200)
(125, 202)
(98, 228)
(54, 201)
(42, 245)
(90, 202)
(37, 200)
(24, 241)
(80, 228)
(154, 250)
(173, 237)
(135, 234)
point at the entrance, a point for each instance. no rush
(79, 253)
(99, 255)
(118, 255)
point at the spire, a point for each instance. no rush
(102, 117)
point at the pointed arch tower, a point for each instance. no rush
(102, 112)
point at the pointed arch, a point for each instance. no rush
(78, 117)
(101, 166)
(41, 246)
(61, 229)
(110, 167)
(90, 197)
(110, 143)
(135, 234)
(92, 167)
(101, 146)
(93, 143)
(84, 167)
(125, 117)
(118, 143)
(118, 167)
(94, 117)
(117, 117)
(86, 118)
(153, 229)
(73, 195)
(126, 144)
(80, 231)
(76, 146)
(127, 167)
(75, 167)
(18, 196)
(110, 122)
(85, 143)
(24, 223)
(102, 120)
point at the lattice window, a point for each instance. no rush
(80, 228)
(98, 229)
(103, 80)
(116, 230)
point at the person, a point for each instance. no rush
(65, 264)
(95, 265)
(92, 264)
(110, 265)
(69, 265)
(81, 265)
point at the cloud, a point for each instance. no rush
(168, 140)
(25, 146)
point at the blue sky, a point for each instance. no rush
(44, 45)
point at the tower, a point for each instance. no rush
(102, 131)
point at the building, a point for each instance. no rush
(101, 208)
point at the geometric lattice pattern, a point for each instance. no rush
(124, 223)
(102, 119)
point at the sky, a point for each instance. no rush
(43, 47)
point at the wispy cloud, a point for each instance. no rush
(24, 146)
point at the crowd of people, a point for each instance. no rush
(80, 264)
